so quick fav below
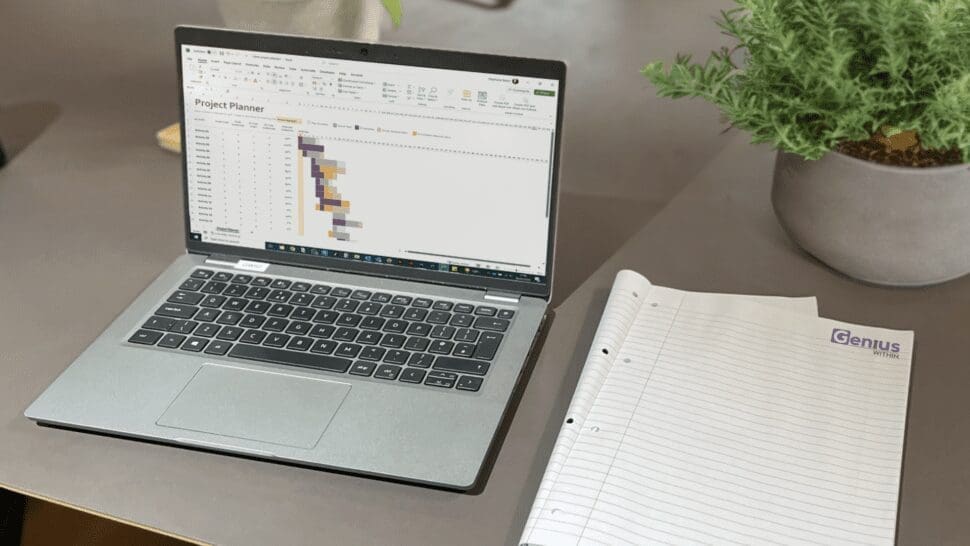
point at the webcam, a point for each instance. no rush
(364, 51)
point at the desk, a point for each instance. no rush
(89, 214)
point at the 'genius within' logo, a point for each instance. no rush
(879, 347)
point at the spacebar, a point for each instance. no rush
(276, 356)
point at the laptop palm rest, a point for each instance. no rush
(270, 407)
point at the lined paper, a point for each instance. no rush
(719, 419)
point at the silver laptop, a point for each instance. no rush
(369, 233)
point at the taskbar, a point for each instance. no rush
(401, 262)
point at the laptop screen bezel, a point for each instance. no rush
(389, 54)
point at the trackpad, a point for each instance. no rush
(269, 407)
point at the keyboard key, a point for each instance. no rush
(218, 348)
(345, 334)
(307, 360)
(191, 285)
(397, 356)
(348, 350)
(462, 321)
(382, 297)
(235, 304)
(326, 317)
(242, 279)
(222, 276)
(506, 314)
(414, 313)
(464, 308)
(252, 321)
(465, 350)
(231, 318)
(261, 281)
(254, 337)
(423, 303)
(393, 341)
(213, 287)
(299, 344)
(488, 323)
(369, 337)
(485, 311)
(442, 306)
(324, 302)
(229, 333)
(213, 301)
(280, 310)
(441, 379)
(276, 324)
(369, 308)
(171, 341)
(299, 328)
(441, 347)
(302, 298)
(392, 311)
(469, 383)
(442, 332)
(349, 319)
(421, 360)
(488, 345)
(201, 274)
(195, 344)
(145, 337)
(361, 295)
(412, 375)
(323, 346)
(208, 315)
(235, 290)
(419, 329)
(340, 292)
(466, 335)
(300, 287)
(439, 317)
(177, 310)
(372, 323)
(208, 330)
(257, 293)
(183, 327)
(321, 331)
(282, 284)
(372, 353)
(276, 340)
(258, 307)
(320, 289)
(386, 371)
(363, 368)
(303, 313)
(460, 365)
(347, 305)
(188, 298)
(161, 324)
(396, 326)
(417, 344)
(279, 296)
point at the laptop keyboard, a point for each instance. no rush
(393, 337)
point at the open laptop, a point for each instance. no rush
(369, 233)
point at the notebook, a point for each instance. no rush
(710, 418)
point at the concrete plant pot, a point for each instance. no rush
(895, 226)
(341, 19)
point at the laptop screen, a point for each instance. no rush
(415, 167)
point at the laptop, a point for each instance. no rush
(369, 235)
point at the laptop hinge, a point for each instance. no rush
(504, 297)
(236, 263)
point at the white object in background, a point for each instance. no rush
(340, 19)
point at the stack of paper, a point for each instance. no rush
(708, 418)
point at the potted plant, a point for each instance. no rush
(868, 105)
(343, 19)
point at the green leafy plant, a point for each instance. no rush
(395, 10)
(811, 75)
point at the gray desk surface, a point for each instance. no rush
(89, 213)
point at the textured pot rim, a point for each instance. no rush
(839, 156)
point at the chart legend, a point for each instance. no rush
(324, 172)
